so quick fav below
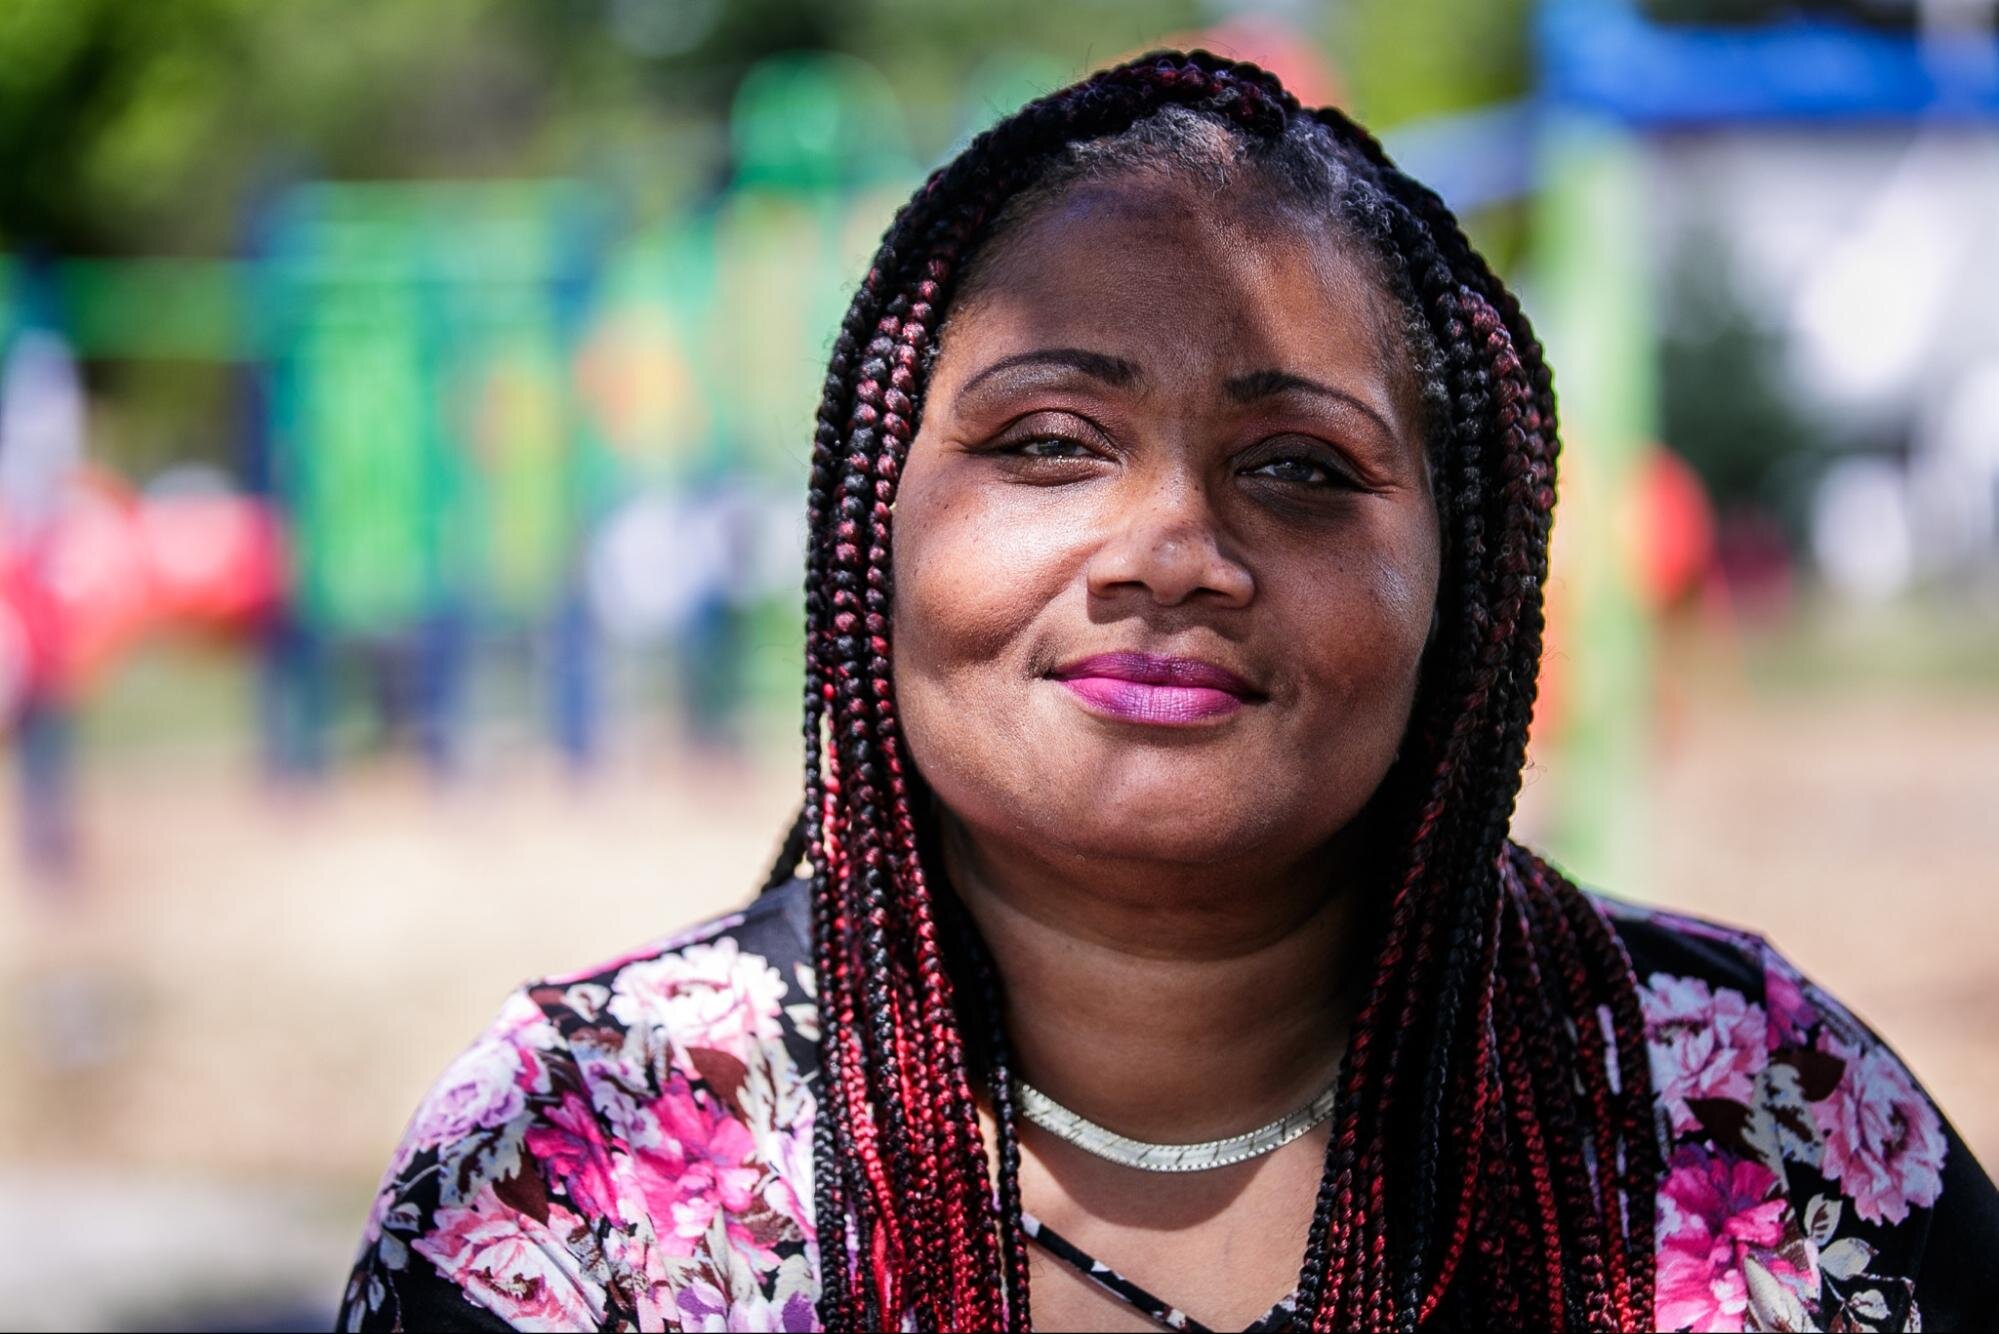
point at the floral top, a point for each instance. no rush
(630, 1147)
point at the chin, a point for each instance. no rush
(1172, 822)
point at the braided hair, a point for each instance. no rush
(1500, 1005)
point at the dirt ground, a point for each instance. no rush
(1864, 843)
(210, 1041)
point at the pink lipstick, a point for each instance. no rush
(1148, 688)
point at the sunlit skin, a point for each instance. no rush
(1161, 425)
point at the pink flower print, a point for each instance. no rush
(1717, 1217)
(637, 1271)
(702, 1165)
(789, 1189)
(1704, 1043)
(711, 996)
(480, 1090)
(1884, 1144)
(522, 1022)
(515, 1266)
(616, 1075)
(572, 1151)
(739, 1302)
(703, 1306)
(1791, 1015)
(524, 1026)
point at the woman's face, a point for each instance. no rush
(1165, 550)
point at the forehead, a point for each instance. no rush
(1186, 282)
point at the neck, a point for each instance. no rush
(1169, 1003)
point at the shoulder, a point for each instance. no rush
(628, 1142)
(1810, 1179)
(736, 991)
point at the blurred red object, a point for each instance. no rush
(79, 593)
(111, 566)
(16, 666)
(1676, 518)
(216, 560)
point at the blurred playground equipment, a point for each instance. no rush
(501, 452)
(481, 424)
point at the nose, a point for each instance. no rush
(1168, 544)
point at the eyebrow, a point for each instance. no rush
(1268, 383)
(1114, 371)
(1119, 373)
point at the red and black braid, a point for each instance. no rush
(1491, 971)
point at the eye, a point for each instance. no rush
(1298, 468)
(1049, 447)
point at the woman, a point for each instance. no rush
(1179, 513)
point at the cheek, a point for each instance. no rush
(953, 604)
(972, 580)
(963, 586)
(1361, 623)
(1404, 594)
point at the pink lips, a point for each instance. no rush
(1147, 688)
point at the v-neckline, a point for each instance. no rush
(1131, 1294)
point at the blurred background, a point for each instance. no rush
(404, 414)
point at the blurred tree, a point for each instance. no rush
(930, 51)
(101, 106)
(154, 127)
(1404, 61)
(1725, 404)
(146, 126)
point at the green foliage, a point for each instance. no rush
(102, 106)
(158, 126)
(1403, 61)
(1724, 402)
